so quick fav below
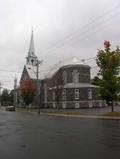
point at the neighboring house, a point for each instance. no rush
(66, 84)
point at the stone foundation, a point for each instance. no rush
(77, 104)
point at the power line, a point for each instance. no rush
(88, 25)
(10, 71)
(97, 28)
(94, 67)
(90, 60)
(90, 35)
(74, 33)
(92, 31)
(13, 71)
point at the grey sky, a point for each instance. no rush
(62, 28)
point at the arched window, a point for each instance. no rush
(75, 75)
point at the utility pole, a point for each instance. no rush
(0, 95)
(15, 92)
(38, 88)
(37, 83)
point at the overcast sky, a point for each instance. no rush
(62, 29)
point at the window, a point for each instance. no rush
(75, 75)
(89, 93)
(63, 105)
(32, 61)
(76, 93)
(77, 105)
(64, 77)
(53, 95)
(64, 94)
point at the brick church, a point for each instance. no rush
(66, 84)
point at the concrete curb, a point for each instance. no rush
(70, 115)
(83, 116)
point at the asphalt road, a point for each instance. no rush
(30, 136)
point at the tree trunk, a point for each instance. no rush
(112, 106)
(57, 97)
(58, 107)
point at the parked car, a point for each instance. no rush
(10, 108)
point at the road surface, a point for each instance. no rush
(30, 136)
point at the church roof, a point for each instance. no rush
(73, 61)
(32, 72)
(49, 72)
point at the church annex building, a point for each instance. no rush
(67, 83)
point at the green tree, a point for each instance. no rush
(96, 81)
(109, 67)
(5, 97)
(11, 97)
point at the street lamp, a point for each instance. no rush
(37, 77)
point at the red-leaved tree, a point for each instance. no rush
(28, 89)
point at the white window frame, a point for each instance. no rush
(90, 92)
(76, 93)
(75, 75)
(54, 105)
(53, 95)
(64, 77)
(77, 105)
(64, 105)
(64, 94)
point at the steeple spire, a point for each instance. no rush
(31, 47)
(31, 59)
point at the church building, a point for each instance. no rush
(66, 84)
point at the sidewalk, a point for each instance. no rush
(85, 116)
(68, 113)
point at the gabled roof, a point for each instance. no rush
(32, 72)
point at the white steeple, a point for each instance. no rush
(31, 47)
(31, 59)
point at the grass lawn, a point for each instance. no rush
(66, 113)
(114, 114)
(49, 111)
